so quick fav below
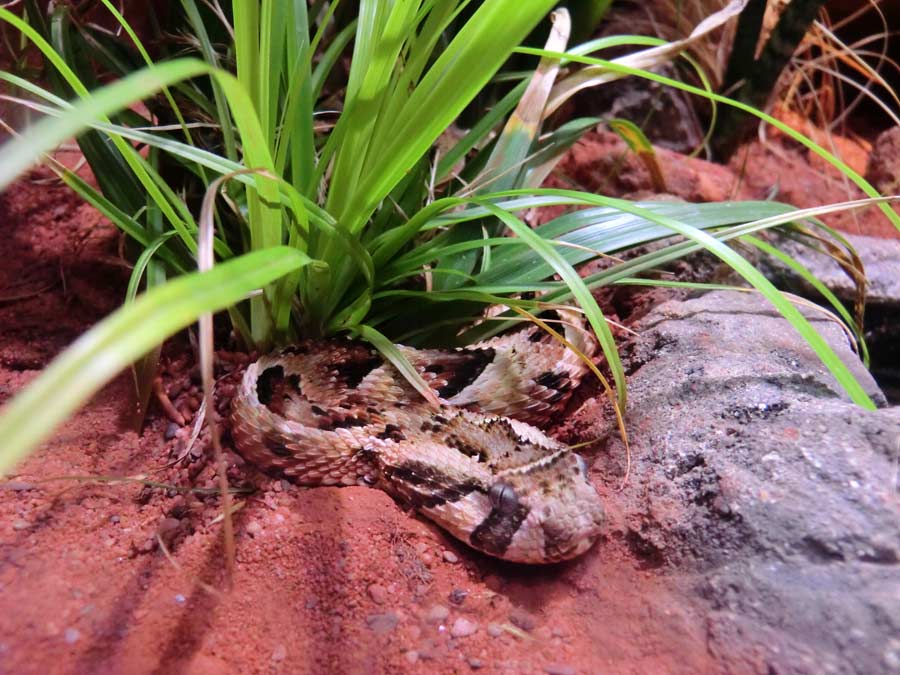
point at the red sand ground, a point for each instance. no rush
(327, 580)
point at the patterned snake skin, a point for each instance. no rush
(335, 413)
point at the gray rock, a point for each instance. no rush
(381, 624)
(755, 479)
(462, 627)
(522, 618)
(378, 593)
(279, 653)
(559, 669)
(880, 257)
(437, 614)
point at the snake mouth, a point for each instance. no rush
(564, 543)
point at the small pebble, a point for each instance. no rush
(451, 557)
(429, 650)
(421, 547)
(254, 528)
(179, 599)
(279, 653)
(171, 430)
(494, 630)
(462, 627)
(559, 669)
(21, 524)
(522, 618)
(148, 545)
(475, 664)
(427, 558)
(168, 529)
(381, 624)
(71, 635)
(378, 593)
(437, 613)
(458, 596)
(412, 656)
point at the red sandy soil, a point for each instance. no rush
(327, 580)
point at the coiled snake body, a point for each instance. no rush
(335, 413)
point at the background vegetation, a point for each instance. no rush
(305, 157)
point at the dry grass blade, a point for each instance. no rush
(852, 265)
(644, 59)
(205, 261)
(524, 123)
(205, 586)
(620, 420)
(638, 143)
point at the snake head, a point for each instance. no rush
(546, 514)
(508, 490)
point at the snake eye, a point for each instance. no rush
(503, 498)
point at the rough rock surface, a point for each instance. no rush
(757, 481)
(881, 258)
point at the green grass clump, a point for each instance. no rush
(336, 214)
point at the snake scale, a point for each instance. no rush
(335, 413)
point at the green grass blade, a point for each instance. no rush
(123, 337)
(296, 124)
(223, 117)
(148, 61)
(480, 130)
(454, 79)
(390, 351)
(128, 153)
(579, 291)
(16, 156)
(835, 161)
(505, 167)
(140, 265)
(190, 155)
(374, 61)
(330, 57)
(811, 279)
